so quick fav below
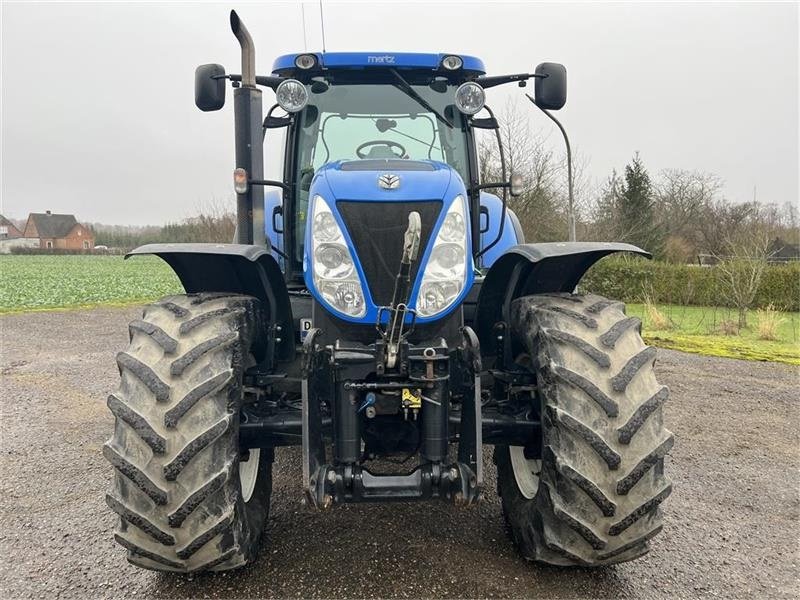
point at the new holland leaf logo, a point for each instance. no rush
(389, 181)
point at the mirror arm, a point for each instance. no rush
(572, 232)
(265, 80)
(487, 82)
(487, 186)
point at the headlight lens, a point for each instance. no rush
(332, 266)
(325, 228)
(291, 95)
(470, 98)
(305, 61)
(446, 271)
(451, 63)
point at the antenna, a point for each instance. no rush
(305, 38)
(322, 23)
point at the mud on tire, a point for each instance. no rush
(175, 447)
(595, 500)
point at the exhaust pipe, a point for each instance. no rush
(248, 50)
(247, 112)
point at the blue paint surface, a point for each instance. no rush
(361, 60)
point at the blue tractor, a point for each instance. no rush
(383, 312)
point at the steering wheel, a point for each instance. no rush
(389, 145)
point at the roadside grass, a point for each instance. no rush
(700, 329)
(30, 283)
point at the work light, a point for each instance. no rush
(305, 61)
(446, 270)
(332, 266)
(291, 95)
(470, 98)
(452, 63)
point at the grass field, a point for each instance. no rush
(698, 329)
(60, 282)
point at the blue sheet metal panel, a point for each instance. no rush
(362, 185)
(359, 60)
(511, 237)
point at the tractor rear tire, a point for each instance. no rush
(592, 497)
(186, 498)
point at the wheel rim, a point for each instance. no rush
(526, 471)
(248, 473)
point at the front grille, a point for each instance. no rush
(376, 229)
(386, 164)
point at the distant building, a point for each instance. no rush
(782, 251)
(7, 229)
(58, 231)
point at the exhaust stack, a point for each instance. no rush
(248, 113)
(248, 50)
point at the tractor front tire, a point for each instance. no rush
(592, 496)
(187, 499)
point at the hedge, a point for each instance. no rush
(29, 250)
(630, 279)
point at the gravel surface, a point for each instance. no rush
(731, 525)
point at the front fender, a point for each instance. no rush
(535, 269)
(234, 269)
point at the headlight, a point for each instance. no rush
(446, 270)
(291, 95)
(332, 266)
(470, 98)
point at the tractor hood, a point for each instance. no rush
(393, 179)
(351, 265)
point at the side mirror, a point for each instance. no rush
(516, 185)
(209, 87)
(550, 91)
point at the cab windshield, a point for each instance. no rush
(348, 120)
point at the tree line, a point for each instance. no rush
(215, 222)
(676, 214)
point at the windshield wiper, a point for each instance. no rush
(409, 91)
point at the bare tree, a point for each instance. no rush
(541, 212)
(742, 268)
(721, 223)
(682, 195)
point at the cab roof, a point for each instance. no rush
(361, 60)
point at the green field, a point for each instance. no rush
(59, 282)
(47, 282)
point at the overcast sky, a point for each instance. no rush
(98, 117)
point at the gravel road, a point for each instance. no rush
(731, 525)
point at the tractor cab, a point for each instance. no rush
(376, 113)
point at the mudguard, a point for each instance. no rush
(535, 269)
(236, 269)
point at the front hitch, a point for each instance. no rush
(395, 331)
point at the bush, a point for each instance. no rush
(769, 321)
(628, 279)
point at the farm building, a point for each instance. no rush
(7, 229)
(11, 237)
(58, 231)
